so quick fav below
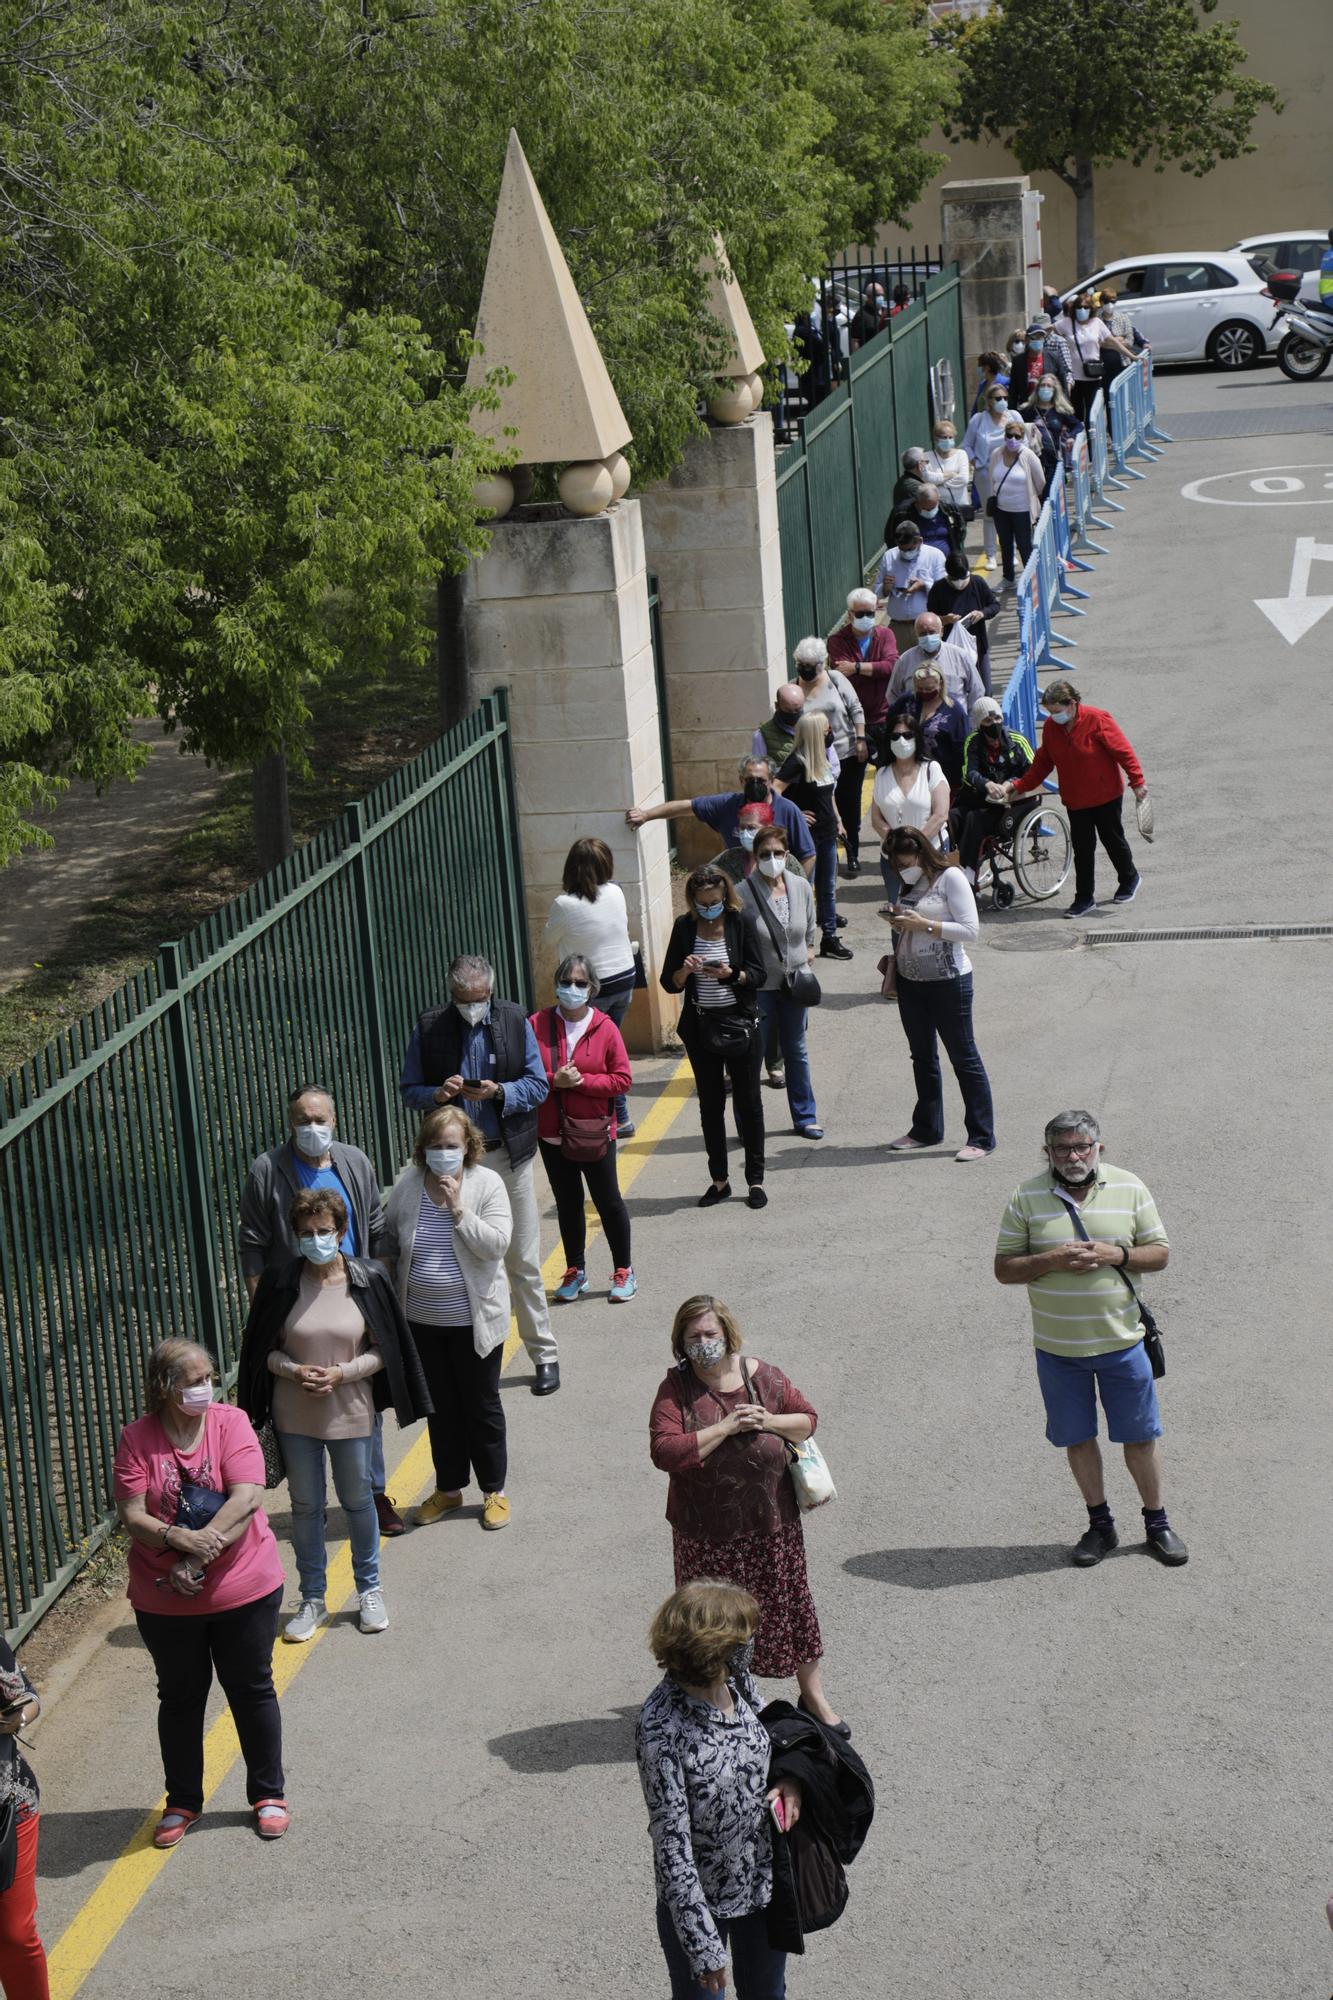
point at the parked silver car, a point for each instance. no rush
(1192, 305)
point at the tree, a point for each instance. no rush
(1070, 85)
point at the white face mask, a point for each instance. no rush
(904, 746)
(196, 1397)
(472, 1011)
(1064, 716)
(909, 875)
(444, 1160)
(771, 865)
(707, 1353)
(863, 621)
(313, 1140)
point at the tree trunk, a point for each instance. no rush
(1085, 197)
(272, 810)
(451, 649)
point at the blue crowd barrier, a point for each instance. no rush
(1122, 417)
(1145, 400)
(1080, 487)
(1064, 542)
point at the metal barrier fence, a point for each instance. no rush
(124, 1145)
(835, 482)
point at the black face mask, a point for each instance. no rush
(807, 673)
(990, 728)
(756, 791)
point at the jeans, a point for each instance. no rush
(22, 1959)
(186, 1651)
(826, 885)
(931, 1008)
(1088, 824)
(378, 1475)
(468, 1427)
(760, 1973)
(567, 1178)
(710, 1074)
(777, 1011)
(350, 1459)
(614, 1003)
(1015, 532)
(848, 793)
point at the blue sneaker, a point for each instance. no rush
(573, 1282)
(624, 1285)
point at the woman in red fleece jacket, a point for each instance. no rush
(588, 1070)
(1091, 757)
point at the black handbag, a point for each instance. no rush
(725, 1032)
(196, 1505)
(275, 1466)
(800, 987)
(1152, 1333)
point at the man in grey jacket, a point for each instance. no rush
(311, 1157)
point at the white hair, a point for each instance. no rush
(811, 653)
(855, 597)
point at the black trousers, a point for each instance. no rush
(568, 1178)
(468, 1427)
(710, 1074)
(975, 822)
(186, 1651)
(1081, 395)
(1015, 533)
(847, 792)
(1088, 825)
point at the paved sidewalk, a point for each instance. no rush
(1111, 1783)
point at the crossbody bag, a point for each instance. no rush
(800, 987)
(993, 503)
(196, 1505)
(1152, 1333)
(581, 1139)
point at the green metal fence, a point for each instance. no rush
(124, 1146)
(836, 481)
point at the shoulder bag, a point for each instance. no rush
(810, 1476)
(195, 1505)
(1152, 1333)
(800, 987)
(582, 1140)
(993, 504)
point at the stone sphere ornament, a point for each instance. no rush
(587, 487)
(493, 495)
(618, 467)
(756, 385)
(731, 404)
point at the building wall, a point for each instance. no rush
(1286, 184)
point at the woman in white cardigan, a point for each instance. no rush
(1017, 483)
(447, 1225)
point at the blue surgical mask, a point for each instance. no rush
(1082, 312)
(313, 1140)
(1000, 405)
(572, 997)
(321, 1248)
(1035, 346)
(709, 910)
(930, 642)
(927, 513)
(1046, 395)
(1064, 716)
(746, 836)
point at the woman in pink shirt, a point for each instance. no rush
(205, 1581)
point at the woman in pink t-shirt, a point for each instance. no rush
(206, 1595)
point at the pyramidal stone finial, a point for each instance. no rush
(561, 404)
(726, 302)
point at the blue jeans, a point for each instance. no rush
(615, 1006)
(931, 1008)
(826, 886)
(378, 1476)
(350, 1459)
(760, 1972)
(790, 1020)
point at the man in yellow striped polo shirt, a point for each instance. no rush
(1074, 1235)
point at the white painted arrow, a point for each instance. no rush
(1298, 613)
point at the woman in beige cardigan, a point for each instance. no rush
(447, 1225)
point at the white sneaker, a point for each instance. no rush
(374, 1617)
(312, 1614)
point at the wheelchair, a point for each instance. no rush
(1029, 852)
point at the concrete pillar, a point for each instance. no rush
(982, 226)
(711, 535)
(557, 612)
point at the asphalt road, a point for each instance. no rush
(1113, 1782)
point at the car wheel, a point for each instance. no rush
(1235, 345)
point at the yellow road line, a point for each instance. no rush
(137, 1867)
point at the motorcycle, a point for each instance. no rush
(1306, 348)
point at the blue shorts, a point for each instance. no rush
(1069, 1388)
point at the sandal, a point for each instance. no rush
(272, 1818)
(171, 1828)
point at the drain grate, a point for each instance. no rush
(1241, 931)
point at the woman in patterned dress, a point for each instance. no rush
(718, 1428)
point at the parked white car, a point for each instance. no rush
(1298, 250)
(1204, 305)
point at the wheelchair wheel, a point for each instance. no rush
(1043, 853)
(1004, 895)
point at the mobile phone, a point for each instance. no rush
(778, 1812)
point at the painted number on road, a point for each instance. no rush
(1265, 486)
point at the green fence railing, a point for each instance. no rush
(124, 1145)
(836, 480)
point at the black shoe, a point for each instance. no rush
(1090, 1548)
(833, 947)
(1082, 907)
(714, 1195)
(842, 1729)
(547, 1379)
(757, 1198)
(1167, 1546)
(1129, 891)
(852, 870)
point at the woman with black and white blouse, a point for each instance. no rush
(22, 1959)
(703, 1762)
(714, 960)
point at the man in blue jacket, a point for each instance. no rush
(721, 810)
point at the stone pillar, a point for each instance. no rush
(982, 226)
(711, 534)
(557, 612)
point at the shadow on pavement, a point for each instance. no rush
(944, 1568)
(70, 1841)
(564, 1746)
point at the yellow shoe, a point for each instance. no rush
(495, 1513)
(438, 1505)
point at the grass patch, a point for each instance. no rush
(363, 730)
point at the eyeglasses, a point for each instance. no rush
(1076, 1151)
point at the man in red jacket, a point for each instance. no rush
(1091, 757)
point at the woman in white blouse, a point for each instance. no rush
(983, 435)
(447, 1225)
(933, 923)
(1017, 483)
(910, 790)
(589, 919)
(1085, 335)
(949, 467)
